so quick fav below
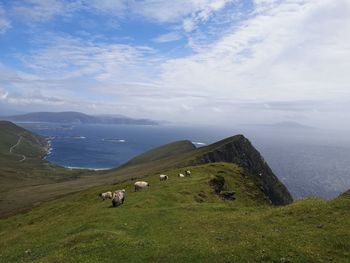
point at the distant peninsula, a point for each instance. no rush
(72, 117)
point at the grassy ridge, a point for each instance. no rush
(31, 145)
(165, 151)
(20, 178)
(180, 220)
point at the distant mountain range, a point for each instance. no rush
(77, 118)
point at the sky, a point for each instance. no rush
(225, 62)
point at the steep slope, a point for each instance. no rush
(239, 150)
(22, 167)
(236, 149)
(179, 220)
(16, 140)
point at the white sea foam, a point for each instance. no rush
(49, 148)
(199, 143)
(113, 140)
(86, 168)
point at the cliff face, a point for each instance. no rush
(239, 150)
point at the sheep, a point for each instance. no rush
(118, 191)
(188, 173)
(118, 197)
(181, 175)
(140, 185)
(163, 177)
(106, 195)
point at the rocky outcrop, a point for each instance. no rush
(239, 150)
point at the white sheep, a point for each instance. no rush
(118, 191)
(188, 173)
(140, 185)
(106, 195)
(118, 197)
(163, 177)
(181, 175)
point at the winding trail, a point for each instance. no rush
(14, 146)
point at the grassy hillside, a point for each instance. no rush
(22, 168)
(235, 149)
(34, 180)
(163, 152)
(32, 146)
(180, 220)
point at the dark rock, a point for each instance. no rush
(198, 199)
(228, 195)
(217, 183)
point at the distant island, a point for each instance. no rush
(72, 117)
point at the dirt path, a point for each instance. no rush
(14, 146)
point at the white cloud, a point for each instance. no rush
(189, 13)
(284, 57)
(65, 57)
(263, 5)
(169, 37)
(116, 7)
(5, 23)
(39, 11)
(295, 50)
(185, 12)
(3, 94)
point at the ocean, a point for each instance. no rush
(310, 162)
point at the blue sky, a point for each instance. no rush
(186, 61)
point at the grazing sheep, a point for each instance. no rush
(181, 175)
(163, 177)
(188, 173)
(117, 191)
(118, 197)
(106, 195)
(140, 185)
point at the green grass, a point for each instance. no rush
(35, 180)
(165, 151)
(180, 220)
(22, 178)
(169, 223)
(31, 145)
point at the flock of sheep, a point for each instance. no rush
(118, 196)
